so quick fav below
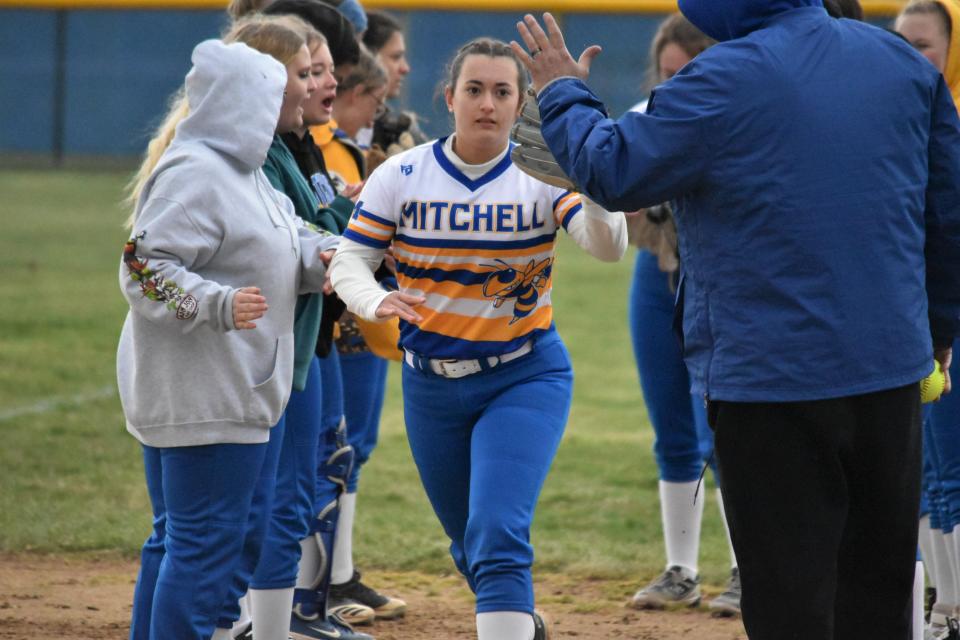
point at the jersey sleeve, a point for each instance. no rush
(566, 205)
(373, 222)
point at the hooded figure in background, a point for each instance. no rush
(814, 169)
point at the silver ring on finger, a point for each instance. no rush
(536, 52)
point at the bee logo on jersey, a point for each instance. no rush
(522, 285)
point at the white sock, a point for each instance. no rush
(955, 539)
(504, 625)
(946, 580)
(925, 540)
(919, 582)
(681, 523)
(726, 527)
(241, 624)
(343, 540)
(270, 610)
(222, 634)
(309, 563)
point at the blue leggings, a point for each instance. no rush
(210, 506)
(483, 445)
(295, 488)
(364, 381)
(683, 438)
(941, 451)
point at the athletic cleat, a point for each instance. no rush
(540, 629)
(333, 628)
(671, 589)
(246, 633)
(943, 626)
(354, 592)
(727, 604)
(351, 612)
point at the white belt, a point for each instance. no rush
(461, 368)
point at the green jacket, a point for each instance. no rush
(282, 171)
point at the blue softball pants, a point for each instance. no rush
(941, 451)
(210, 509)
(295, 487)
(327, 442)
(364, 381)
(483, 445)
(683, 440)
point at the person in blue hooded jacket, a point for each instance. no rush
(814, 168)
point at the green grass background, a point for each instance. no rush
(71, 477)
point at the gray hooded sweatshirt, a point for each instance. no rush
(208, 223)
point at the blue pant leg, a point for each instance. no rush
(328, 441)
(931, 475)
(364, 378)
(483, 445)
(295, 488)
(663, 374)
(704, 434)
(152, 553)
(439, 428)
(945, 436)
(208, 492)
(256, 530)
(332, 390)
(512, 447)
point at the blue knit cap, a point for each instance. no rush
(354, 12)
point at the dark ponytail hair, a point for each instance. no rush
(485, 47)
(380, 28)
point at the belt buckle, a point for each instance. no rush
(457, 368)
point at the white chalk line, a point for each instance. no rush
(50, 404)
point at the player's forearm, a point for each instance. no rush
(601, 233)
(351, 273)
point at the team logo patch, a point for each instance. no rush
(406, 169)
(323, 188)
(187, 308)
(521, 285)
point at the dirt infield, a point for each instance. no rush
(88, 598)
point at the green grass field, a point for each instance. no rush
(71, 477)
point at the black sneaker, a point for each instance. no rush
(671, 589)
(354, 592)
(540, 629)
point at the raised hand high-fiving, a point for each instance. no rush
(548, 58)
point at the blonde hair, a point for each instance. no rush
(280, 37)
(241, 8)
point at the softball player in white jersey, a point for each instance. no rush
(487, 382)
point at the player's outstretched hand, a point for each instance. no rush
(548, 58)
(401, 305)
(944, 357)
(248, 305)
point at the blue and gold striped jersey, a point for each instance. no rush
(481, 251)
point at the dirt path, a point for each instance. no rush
(84, 598)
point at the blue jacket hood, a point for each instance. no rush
(731, 19)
